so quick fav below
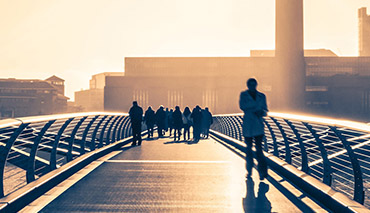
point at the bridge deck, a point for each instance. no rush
(162, 175)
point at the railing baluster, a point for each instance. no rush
(30, 173)
(273, 137)
(4, 152)
(117, 129)
(93, 137)
(326, 163)
(72, 139)
(53, 154)
(304, 160)
(125, 127)
(128, 129)
(84, 135)
(102, 132)
(110, 129)
(288, 156)
(359, 193)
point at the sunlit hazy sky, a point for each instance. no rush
(75, 39)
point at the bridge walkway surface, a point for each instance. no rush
(166, 176)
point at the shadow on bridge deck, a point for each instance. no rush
(162, 175)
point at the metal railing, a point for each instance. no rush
(336, 152)
(31, 147)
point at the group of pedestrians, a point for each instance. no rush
(179, 123)
(172, 121)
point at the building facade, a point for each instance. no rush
(216, 82)
(20, 97)
(92, 99)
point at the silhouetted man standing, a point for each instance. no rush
(160, 117)
(253, 104)
(149, 118)
(196, 115)
(136, 116)
(177, 123)
(207, 121)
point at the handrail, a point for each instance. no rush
(332, 200)
(332, 150)
(31, 147)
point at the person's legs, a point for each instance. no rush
(194, 133)
(139, 133)
(185, 129)
(189, 133)
(134, 135)
(150, 131)
(249, 155)
(180, 130)
(207, 132)
(160, 131)
(262, 164)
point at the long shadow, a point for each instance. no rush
(295, 200)
(182, 141)
(251, 203)
(127, 147)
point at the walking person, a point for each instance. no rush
(186, 119)
(177, 123)
(160, 117)
(149, 119)
(207, 121)
(253, 104)
(196, 115)
(136, 116)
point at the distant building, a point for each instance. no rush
(364, 32)
(217, 81)
(57, 83)
(27, 97)
(92, 99)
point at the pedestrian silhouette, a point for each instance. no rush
(196, 115)
(177, 123)
(160, 117)
(149, 119)
(187, 121)
(207, 121)
(253, 104)
(136, 116)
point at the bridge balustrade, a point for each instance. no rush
(31, 147)
(336, 152)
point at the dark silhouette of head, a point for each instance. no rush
(149, 108)
(134, 103)
(206, 109)
(252, 84)
(177, 108)
(187, 111)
